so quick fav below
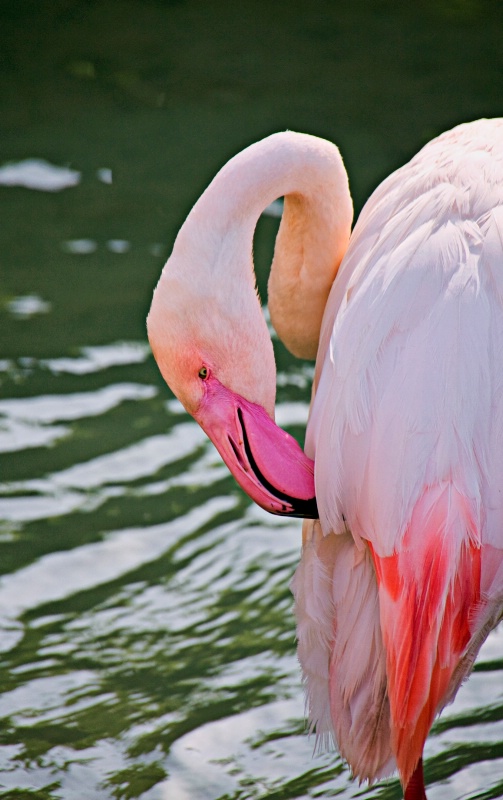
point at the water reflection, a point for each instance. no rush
(35, 173)
(173, 639)
(27, 306)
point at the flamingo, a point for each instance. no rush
(401, 482)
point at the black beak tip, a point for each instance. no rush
(305, 509)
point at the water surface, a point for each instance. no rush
(146, 636)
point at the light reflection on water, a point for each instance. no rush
(161, 654)
(146, 636)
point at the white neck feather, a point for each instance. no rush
(311, 241)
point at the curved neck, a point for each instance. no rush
(311, 241)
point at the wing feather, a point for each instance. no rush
(408, 387)
(341, 652)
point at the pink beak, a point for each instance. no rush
(265, 460)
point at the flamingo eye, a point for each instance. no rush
(203, 373)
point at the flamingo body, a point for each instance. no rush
(406, 450)
(401, 575)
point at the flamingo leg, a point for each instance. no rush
(415, 788)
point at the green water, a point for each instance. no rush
(147, 643)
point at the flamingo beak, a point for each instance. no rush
(265, 460)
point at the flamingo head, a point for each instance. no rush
(216, 355)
